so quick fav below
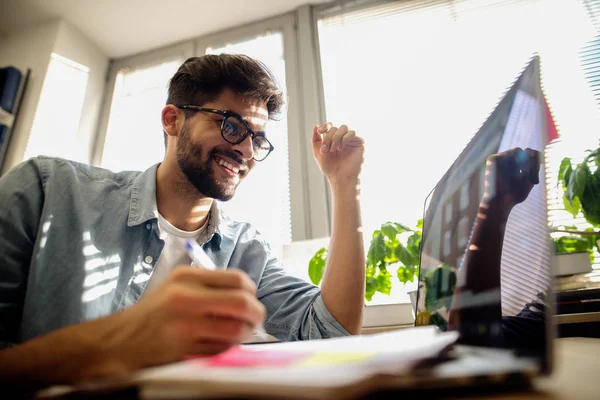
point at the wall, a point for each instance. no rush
(28, 49)
(33, 48)
(72, 44)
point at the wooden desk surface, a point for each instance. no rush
(576, 374)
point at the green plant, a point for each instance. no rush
(581, 193)
(577, 241)
(581, 186)
(438, 286)
(393, 244)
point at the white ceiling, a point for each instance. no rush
(125, 27)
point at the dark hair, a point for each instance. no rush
(202, 79)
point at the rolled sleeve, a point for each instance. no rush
(329, 326)
(295, 308)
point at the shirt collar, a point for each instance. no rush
(143, 205)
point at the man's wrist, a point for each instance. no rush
(343, 183)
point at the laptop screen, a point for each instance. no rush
(486, 253)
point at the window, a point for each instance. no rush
(56, 122)
(417, 79)
(263, 199)
(134, 138)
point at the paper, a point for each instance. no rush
(288, 362)
(315, 368)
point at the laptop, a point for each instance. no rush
(486, 255)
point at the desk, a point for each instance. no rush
(576, 374)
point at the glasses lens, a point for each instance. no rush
(261, 147)
(233, 129)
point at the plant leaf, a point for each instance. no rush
(389, 230)
(316, 266)
(566, 162)
(377, 250)
(402, 228)
(566, 176)
(406, 274)
(413, 244)
(580, 178)
(384, 282)
(420, 224)
(371, 285)
(404, 255)
(572, 206)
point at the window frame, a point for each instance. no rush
(377, 315)
(285, 24)
(179, 50)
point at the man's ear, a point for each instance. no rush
(170, 116)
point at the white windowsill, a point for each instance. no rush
(388, 315)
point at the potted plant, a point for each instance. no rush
(392, 245)
(581, 193)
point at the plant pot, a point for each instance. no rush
(571, 263)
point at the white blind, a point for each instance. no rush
(418, 78)
(263, 198)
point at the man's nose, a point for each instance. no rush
(244, 148)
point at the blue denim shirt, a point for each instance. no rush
(79, 242)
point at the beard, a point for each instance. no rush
(200, 172)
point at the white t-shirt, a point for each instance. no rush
(173, 252)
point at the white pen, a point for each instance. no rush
(198, 256)
(200, 259)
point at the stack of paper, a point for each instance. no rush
(332, 368)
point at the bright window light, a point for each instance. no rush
(56, 123)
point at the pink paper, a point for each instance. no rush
(241, 357)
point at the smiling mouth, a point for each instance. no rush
(228, 166)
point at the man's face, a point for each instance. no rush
(214, 166)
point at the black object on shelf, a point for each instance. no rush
(578, 301)
(12, 90)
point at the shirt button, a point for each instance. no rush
(148, 259)
(148, 226)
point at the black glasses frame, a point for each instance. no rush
(229, 114)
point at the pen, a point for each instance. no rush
(198, 256)
(200, 259)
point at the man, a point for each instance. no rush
(88, 279)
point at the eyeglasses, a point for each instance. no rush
(235, 130)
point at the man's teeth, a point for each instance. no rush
(228, 165)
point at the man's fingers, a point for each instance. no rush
(324, 127)
(350, 138)
(328, 139)
(214, 329)
(224, 279)
(192, 302)
(316, 136)
(336, 139)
